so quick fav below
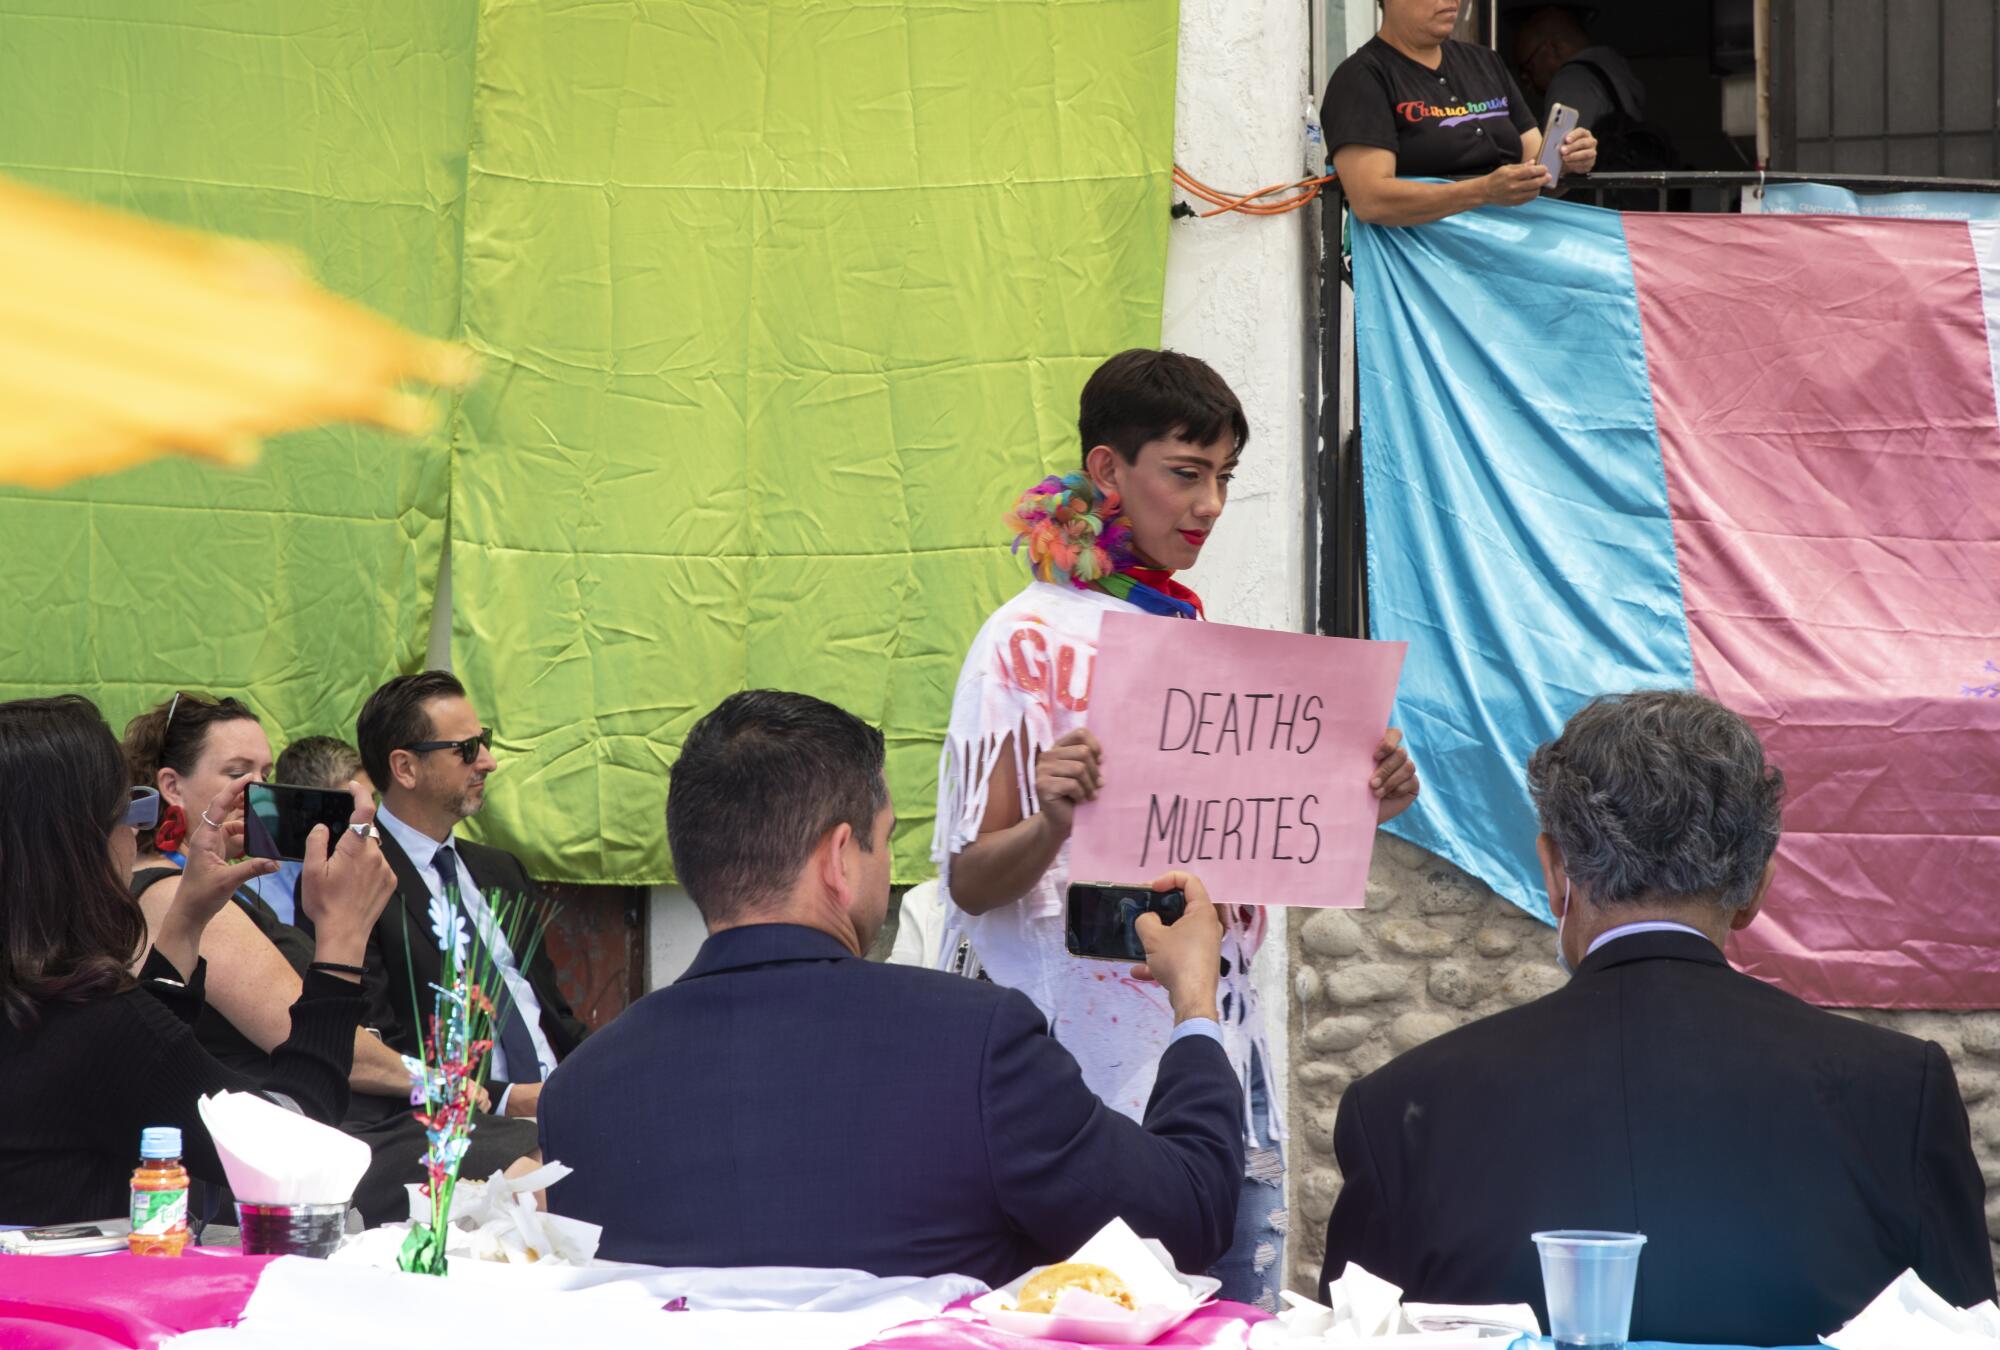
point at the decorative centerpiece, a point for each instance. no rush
(465, 1014)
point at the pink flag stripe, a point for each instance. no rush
(1824, 390)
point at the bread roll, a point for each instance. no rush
(1039, 1294)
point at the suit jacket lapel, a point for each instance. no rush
(415, 895)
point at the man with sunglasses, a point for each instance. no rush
(423, 746)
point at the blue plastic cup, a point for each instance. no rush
(1587, 1278)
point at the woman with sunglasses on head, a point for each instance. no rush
(90, 1053)
(192, 746)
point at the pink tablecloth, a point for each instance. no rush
(123, 1302)
(120, 1301)
(1218, 1326)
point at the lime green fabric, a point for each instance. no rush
(780, 305)
(339, 131)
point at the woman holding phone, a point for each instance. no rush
(91, 1052)
(191, 747)
(1161, 434)
(1412, 103)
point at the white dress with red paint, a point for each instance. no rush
(1028, 676)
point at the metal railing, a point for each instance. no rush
(1340, 598)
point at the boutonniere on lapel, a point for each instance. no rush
(464, 1017)
(448, 928)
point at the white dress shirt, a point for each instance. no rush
(1647, 926)
(420, 848)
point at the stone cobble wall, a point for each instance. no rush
(1435, 948)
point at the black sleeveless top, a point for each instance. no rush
(215, 1032)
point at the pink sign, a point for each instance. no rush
(1237, 754)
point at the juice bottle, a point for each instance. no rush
(159, 1194)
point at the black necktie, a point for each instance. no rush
(523, 1065)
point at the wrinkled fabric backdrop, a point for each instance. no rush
(778, 306)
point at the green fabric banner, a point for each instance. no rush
(338, 131)
(780, 305)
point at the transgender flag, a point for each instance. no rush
(1755, 455)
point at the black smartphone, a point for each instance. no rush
(1102, 921)
(277, 818)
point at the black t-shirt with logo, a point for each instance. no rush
(1466, 117)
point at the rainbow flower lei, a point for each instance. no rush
(1072, 533)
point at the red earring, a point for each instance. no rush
(172, 830)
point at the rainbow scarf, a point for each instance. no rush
(1075, 536)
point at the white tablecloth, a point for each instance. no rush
(320, 1305)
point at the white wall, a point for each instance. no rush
(1235, 297)
(1234, 292)
(673, 934)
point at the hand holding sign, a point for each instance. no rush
(1255, 758)
(1066, 774)
(1395, 782)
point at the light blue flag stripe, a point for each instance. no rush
(1518, 531)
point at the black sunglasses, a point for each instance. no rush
(468, 749)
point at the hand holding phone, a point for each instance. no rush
(1180, 957)
(1101, 922)
(1170, 928)
(1561, 122)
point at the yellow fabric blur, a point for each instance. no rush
(122, 340)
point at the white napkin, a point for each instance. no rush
(492, 1220)
(1909, 1315)
(277, 1157)
(1365, 1310)
(1144, 1264)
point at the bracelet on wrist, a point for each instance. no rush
(336, 968)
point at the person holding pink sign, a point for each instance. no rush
(1161, 434)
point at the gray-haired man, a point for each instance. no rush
(1784, 1163)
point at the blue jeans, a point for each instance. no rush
(1253, 1269)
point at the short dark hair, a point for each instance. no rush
(68, 926)
(1660, 794)
(318, 761)
(172, 734)
(758, 784)
(1142, 395)
(397, 715)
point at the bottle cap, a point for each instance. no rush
(160, 1141)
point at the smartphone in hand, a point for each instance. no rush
(277, 818)
(1102, 921)
(1562, 121)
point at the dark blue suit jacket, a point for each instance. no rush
(1784, 1163)
(787, 1103)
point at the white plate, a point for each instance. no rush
(1133, 1328)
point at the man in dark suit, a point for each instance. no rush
(422, 744)
(1784, 1163)
(788, 1103)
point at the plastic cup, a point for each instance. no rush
(290, 1230)
(1587, 1278)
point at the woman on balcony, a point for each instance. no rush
(1411, 103)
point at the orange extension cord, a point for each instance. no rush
(1250, 204)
